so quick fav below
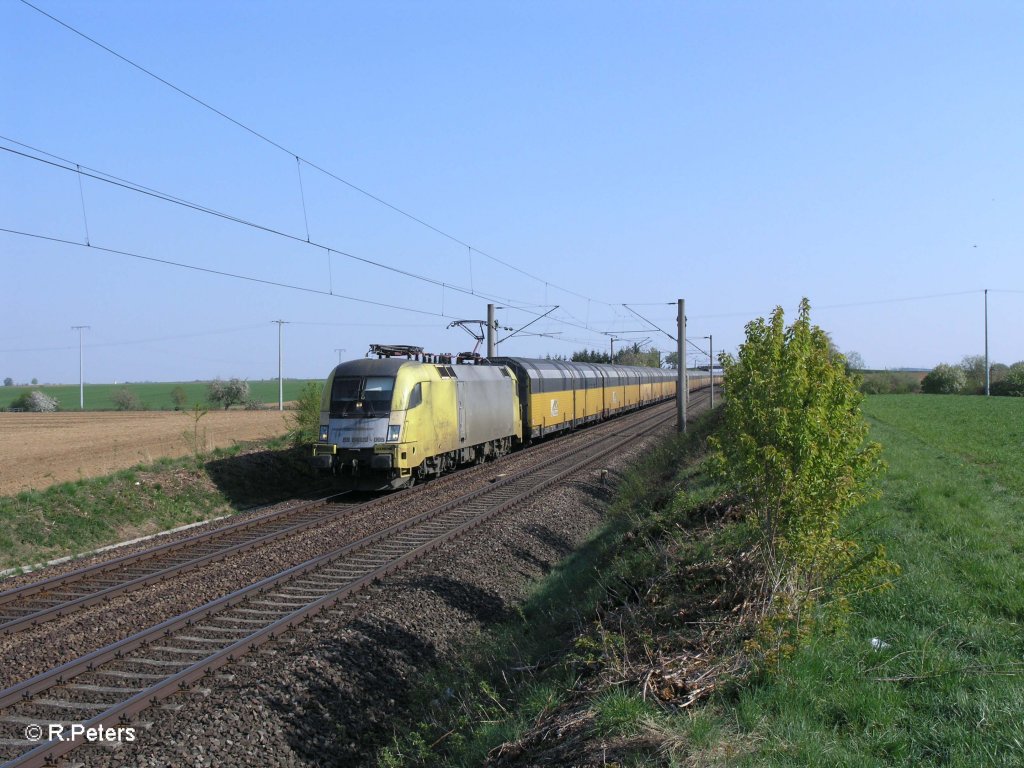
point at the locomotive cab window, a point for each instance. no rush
(356, 396)
(416, 396)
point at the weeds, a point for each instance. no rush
(194, 437)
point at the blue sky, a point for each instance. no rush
(737, 155)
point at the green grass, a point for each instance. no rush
(949, 688)
(946, 689)
(486, 706)
(154, 396)
(71, 518)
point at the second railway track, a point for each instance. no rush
(116, 682)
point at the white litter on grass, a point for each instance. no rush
(879, 644)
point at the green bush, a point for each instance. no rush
(794, 449)
(944, 379)
(890, 383)
(126, 400)
(1012, 384)
(304, 421)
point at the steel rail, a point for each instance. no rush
(510, 491)
(113, 567)
(15, 618)
(65, 579)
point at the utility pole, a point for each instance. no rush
(987, 368)
(711, 367)
(280, 377)
(681, 390)
(81, 377)
(339, 351)
(490, 331)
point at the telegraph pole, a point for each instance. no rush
(280, 378)
(81, 377)
(987, 368)
(339, 351)
(681, 390)
(711, 367)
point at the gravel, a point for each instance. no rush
(324, 694)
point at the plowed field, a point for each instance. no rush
(40, 449)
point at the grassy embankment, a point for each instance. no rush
(153, 396)
(942, 683)
(71, 518)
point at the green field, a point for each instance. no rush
(153, 396)
(947, 688)
(929, 672)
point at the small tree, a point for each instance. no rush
(126, 400)
(1012, 384)
(974, 373)
(794, 447)
(179, 397)
(8, 382)
(304, 421)
(36, 401)
(944, 379)
(854, 361)
(227, 393)
(195, 438)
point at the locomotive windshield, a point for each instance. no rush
(368, 396)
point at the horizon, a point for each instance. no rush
(579, 165)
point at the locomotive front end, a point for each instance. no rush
(359, 428)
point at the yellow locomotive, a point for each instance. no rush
(386, 423)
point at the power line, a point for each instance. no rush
(130, 342)
(66, 165)
(298, 157)
(70, 166)
(221, 273)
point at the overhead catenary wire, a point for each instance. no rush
(263, 137)
(222, 273)
(233, 275)
(61, 163)
(65, 165)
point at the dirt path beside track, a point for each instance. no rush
(40, 449)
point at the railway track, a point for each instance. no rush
(33, 604)
(41, 601)
(111, 685)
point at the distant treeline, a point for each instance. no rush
(965, 378)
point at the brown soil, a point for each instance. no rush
(40, 449)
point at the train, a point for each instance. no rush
(406, 416)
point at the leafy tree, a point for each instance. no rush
(944, 379)
(854, 361)
(304, 421)
(36, 401)
(997, 372)
(590, 356)
(8, 382)
(126, 400)
(179, 397)
(974, 373)
(35, 382)
(1011, 385)
(793, 446)
(228, 393)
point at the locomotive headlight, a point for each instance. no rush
(394, 430)
(323, 433)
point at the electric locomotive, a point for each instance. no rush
(386, 422)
